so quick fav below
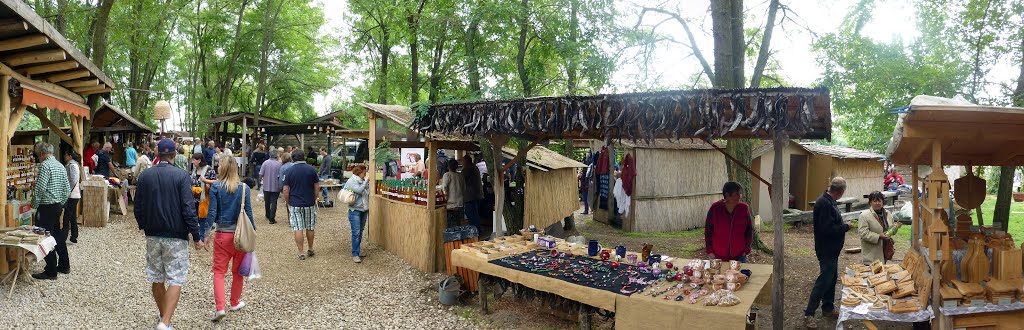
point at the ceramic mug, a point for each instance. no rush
(593, 248)
(631, 259)
(620, 251)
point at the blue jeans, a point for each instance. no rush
(324, 190)
(742, 259)
(472, 210)
(204, 225)
(356, 220)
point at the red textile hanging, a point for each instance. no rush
(39, 99)
(628, 173)
(602, 161)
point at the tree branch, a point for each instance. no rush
(689, 34)
(763, 53)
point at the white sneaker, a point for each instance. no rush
(357, 259)
(217, 316)
(162, 326)
(235, 308)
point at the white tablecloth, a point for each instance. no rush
(39, 250)
(988, 307)
(862, 312)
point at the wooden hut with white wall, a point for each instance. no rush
(675, 184)
(809, 168)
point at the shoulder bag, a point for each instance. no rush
(346, 196)
(245, 233)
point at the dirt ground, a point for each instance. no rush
(801, 271)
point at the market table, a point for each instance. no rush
(39, 250)
(636, 311)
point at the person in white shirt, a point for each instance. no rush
(71, 158)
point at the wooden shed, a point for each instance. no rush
(551, 193)
(808, 169)
(675, 184)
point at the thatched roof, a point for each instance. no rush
(397, 113)
(818, 149)
(968, 134)
(684, 144)
(545, 159)
(741, 113)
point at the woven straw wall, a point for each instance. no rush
(665, 173)
(408, 231)
(862, 176)
(550, 196)
(672, 214)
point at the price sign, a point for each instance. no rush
(977, 302)
(949, 304)
(1004, 301)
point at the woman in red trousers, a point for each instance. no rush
(225, 206)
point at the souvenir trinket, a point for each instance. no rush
(679, 277)
(605, 255)
(631, 259)
(668, 264)
(620, 251)
(615, 265)
(656, 271)
(646, 251)
(593, 248)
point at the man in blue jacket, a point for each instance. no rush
(166, 211)
(829, 236)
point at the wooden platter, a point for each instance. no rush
(875, 280)
(968, 289)
(853, 281)
(886, 287)
(905, 306)
(1009, 265)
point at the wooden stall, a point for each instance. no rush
(723, 114)
(110, 124)
(809, 167)
(943, 132)
(414, 232)
(676, 182)
(39, 71)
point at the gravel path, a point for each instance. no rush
(107, 287)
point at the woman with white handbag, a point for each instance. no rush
(228, 198)
(355, 194)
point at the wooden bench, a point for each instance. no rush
(888, 197)
(846, 202)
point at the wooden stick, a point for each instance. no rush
(53, 127)
(5, 110)
(23, 42)
(14, 121)
(521, 154)
(737, 162)
(779, 265)
(59, 66)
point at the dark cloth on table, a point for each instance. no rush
(597, 269)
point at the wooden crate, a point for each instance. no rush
(469, 277)
(95, 205)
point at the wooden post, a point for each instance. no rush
(5, 111)
(779, 266)
(371, 168)
(915, 218)
(498, 142)
(431, 178)
(245, 143)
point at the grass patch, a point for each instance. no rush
(696, 232)
(1016, 223)
(769, 228)
(803, 251)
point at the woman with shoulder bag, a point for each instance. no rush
(226, 198)
(203, 176)
(873, 224)
(359, 185)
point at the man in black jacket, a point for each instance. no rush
(829, 236)
(166, 211)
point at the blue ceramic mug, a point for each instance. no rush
(620, 251)
(593, 248)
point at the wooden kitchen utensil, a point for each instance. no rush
(904, 290)
(875, 280)
(886, 287)
(905, 306)
(969, 190)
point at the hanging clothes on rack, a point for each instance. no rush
(628, 174)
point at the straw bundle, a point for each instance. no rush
(550, 196)
(663, 172)
(408, 231)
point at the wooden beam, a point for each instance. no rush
(744, 167)
(13, 25)
(521, 154)
(780, 141)
(53, 127)
(5, 105)
(962, 131)
(497, 143)
(47, 86)
(42, 56)
(23, 42)
(15, 120)
(80, 83)
(88, 88)
(98, 91)
(54, 67)
(68, 76)
(915, 217)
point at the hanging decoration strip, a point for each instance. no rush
(709, 114)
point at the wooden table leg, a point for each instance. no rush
(870, 325)
(482, 290)
(585, 320)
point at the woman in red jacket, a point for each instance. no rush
(729, 228)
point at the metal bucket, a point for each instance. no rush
(448, 290)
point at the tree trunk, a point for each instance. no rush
(572, 62)
(472, 56)
(229, 79)
(435, 67)
(60, 23)
(413, 19)
(524, 30)
(766, 39)
(1005, 193)
(99, 53)
(385, 54)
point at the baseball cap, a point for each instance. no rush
(166, 146)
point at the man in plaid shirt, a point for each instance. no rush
(51, 192)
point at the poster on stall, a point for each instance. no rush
(412, 162)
